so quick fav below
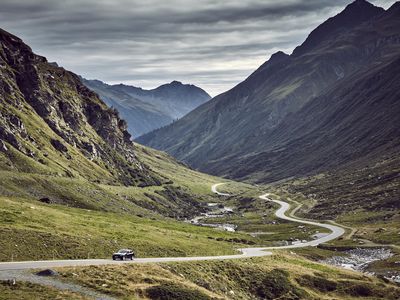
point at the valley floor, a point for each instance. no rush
(336, 231)
(284, 274)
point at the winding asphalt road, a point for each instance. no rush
(336, 231)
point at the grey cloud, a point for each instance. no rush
(214, 44)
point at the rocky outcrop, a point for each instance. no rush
(73, 113)
(12, 130)
(59, 146)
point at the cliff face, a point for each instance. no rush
(46, 112)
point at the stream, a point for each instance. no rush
(359, 259)
(215, 211)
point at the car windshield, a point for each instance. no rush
(123, 251)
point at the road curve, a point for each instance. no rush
(214, 189)
(336, 231)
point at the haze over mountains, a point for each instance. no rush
(332, 103)
(146, 110)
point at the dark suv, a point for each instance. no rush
(123, 254)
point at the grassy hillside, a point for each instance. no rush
(71, 179)
(28, 291)
(363, 199)
(281, 276)
(168, 167)
(46, 216)
(31, 230)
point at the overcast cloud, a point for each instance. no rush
(214, 44)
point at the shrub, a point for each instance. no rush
(359, 290)
(276, 284)
(317, 283)
(169, 290)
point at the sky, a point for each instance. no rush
(214, 44)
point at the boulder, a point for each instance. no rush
(58, 145)
(90, 149)
(45, 200)
(47, 273)
(3, 146)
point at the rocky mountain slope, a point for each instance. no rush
(146, 110)
(52, 124)
(61, 144)
(333, 102)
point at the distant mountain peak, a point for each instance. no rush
(278, 56)
(285, 112)
(146, 110)
(175, 86)
(355, 6)
(353, 15)
(360, 2)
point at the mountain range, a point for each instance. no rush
(146, 110)
(319, 126)
(332, 104)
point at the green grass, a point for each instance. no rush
(378, 227)
(181, 175)
(316, 253)
(75, 192)
(256, 216)
(33, 230)
(365, 199)
(29, 291)
(266, 232)
(369, 227)
(92, 217)
(364, 228)
(177, 197)
(280, 276)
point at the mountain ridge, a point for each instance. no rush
(355, 13)
(146, 110)
(218, 136)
